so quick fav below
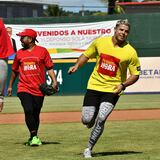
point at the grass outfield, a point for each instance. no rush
(124, 140)
(74, 103)
(121, 140)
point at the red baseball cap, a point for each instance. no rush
(28, 32)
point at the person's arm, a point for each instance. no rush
(131, 80)
(12, 79)
(53, 77)
(80, 62)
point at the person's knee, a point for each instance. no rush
(87, 114)
(104, 111)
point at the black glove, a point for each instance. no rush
(47, 89)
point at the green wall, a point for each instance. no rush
(68, 84)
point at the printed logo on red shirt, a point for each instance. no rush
(108, 65)
(29, 66)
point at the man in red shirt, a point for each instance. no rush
(30, 64)
(6, 49)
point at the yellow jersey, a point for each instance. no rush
(112, 64)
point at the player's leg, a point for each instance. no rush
(90, 108)
(104, 111)
(37, 104)
(3, 78)
(27, 104)
(107, 104)
(89, 113)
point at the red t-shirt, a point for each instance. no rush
(32, 69)
(6, 48)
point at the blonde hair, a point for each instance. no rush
(123, 22)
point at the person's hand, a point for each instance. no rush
(55, 86)
(1, 103)
(118, 89)
(72, 69)
(1, 106)
(9, 91)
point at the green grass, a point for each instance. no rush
(74, 103)
(121, 140)
(124, 140)
(139, 101)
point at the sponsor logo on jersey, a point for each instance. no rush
(108, 65)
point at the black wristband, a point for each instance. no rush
(124, 87)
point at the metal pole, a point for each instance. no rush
(82, 9)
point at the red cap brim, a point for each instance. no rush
(24, 34)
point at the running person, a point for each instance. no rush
(30, 64)
(6, 49)
(108, 79)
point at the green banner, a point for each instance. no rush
(75, 83)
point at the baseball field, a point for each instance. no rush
(131, 132)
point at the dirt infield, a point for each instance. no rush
(55, 117)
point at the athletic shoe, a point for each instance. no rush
(35, 141)
(87, 153)
(28, 142)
